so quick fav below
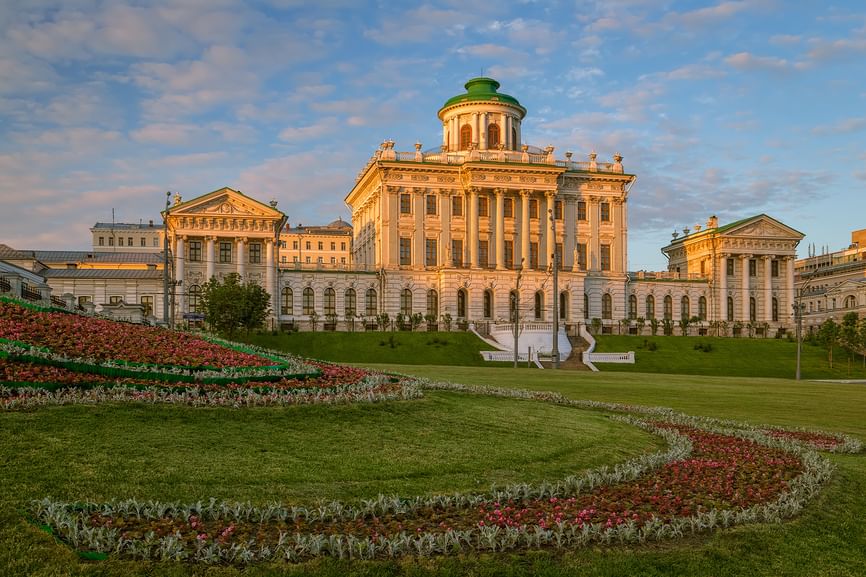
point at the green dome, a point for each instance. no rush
(481, 89)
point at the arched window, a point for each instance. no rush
(493, 136)
(702, 308)
(432, 304)
(539, 305)
(194, 301)
(585, 306)
(632, 307)
(286, 298)
(513, 138)
(350, 305)
(650, 307)
(563, 305)
(753, 311)
(685, 308)
(513, 303)
(465, 137)
(461, 304)
(406, 302)
(309, 301)
(330, 301)
(606, 306)
(776, 309)
(488, 304)
(370, 307)
(850, 302)
(730, 309)
(669, 307)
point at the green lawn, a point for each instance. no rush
(728, 356)
(418, 348)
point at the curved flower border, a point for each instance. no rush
(71, 522)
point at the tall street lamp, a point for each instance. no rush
(553, 260)
(515, 304)
(798, 319)
(165, 259)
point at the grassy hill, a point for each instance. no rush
(728, 356)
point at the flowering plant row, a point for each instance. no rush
(710, 476)
(74, 336)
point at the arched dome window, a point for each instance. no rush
(493, 137)
(465, 137)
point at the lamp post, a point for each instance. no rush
(515, 302)
(555, 351)
(798, 319)
(165, 259)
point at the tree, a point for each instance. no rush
(654, 326)
(229, 305)
(849, 336)
(828, 335)
(684, 325)
(641, 323)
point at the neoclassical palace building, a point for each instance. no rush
(468, 231)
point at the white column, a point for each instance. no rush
(269, 273)
(524, 228)
(482, 133)
(768, 289)
(475, 124)
(179, 259)
(744, 287)
(472, 227)
(570, 216)
(723, 287)
(418, 236)
(242, 260)
(500, 229)
(211, 258)
(593, 206)
(445, 220)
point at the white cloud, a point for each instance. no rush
(324, 127)
(171, 134)
(750, 62)
(844, 126)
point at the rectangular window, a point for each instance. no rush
(508, 208)
(295, 244)
(82, 300)
(120, 241)
(342, 246)
(143, 242)
(321, 245)
(333, 246)
(581, 255)
(457, 252)
(333, 260)
(557, 210)
(456, 206)
(115, 300)
(225, 252)
(605, 212)
(195, 251)
(753, 267)
(284, 260)
(774, 268)
(533, 208)
(255, 253)
(533, 255)
(129, 241)
(101, 241)
(430, 252)
(482, 207)
(405, 251)
(111, 241)
(483, 253)
(343, 260)
(309, 260)
(730, 267)
(509, 254)
(405, 204)
(156, 242)
(147, 303)
(431, 204)
(581, 210)
(309, 245)
(604, 256)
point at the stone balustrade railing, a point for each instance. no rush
(626, 358)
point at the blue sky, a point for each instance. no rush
(730, 108)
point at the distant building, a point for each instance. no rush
(126, 237)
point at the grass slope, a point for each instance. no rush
(422, 348)
(728, 356)
(296, 454)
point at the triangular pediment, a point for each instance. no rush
(761, 226)
(847, 286)
(225, 202)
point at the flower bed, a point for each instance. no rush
(710, 476)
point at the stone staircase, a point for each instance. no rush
(573, 362)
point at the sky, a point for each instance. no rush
(727, 108)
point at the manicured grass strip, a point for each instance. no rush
(718, 356)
